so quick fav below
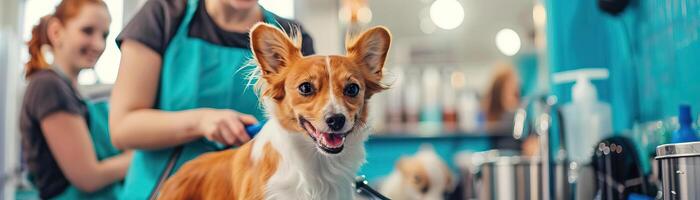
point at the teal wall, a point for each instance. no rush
(652, 51)
(668, 49)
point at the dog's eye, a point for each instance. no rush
(351, 90)
(306, 89)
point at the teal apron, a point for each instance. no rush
(98, 115)
(194, 74)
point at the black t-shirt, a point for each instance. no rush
(46, 94)
(158, 20)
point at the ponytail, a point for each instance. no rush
(39, 40)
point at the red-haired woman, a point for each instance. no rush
(68, 155)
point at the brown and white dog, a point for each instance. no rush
(312, 145)
(423, 176)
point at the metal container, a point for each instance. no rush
(680, 170)
(502, 175)
(511, 177)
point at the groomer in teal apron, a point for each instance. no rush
(65, 140)
(182, 88)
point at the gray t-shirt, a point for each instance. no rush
(46, 94)
(158, 20)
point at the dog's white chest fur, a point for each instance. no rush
(303, 171)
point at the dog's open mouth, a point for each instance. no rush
(331, 143)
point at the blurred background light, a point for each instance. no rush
(447, 14)
(508, 42)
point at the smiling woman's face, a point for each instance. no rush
(81, 40)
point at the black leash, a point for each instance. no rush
(363, 187)
(168, 169)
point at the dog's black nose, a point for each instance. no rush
(336, 122)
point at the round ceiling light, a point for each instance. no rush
(447, 14)
(508, 42)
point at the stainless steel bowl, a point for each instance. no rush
(680, 170)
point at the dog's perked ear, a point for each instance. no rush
(370, 48)
(273, 49)
(369, 51)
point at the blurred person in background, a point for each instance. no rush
(500, 104)
(69, 156)
(182, 89)
(501, 101)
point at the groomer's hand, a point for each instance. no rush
(224, 126)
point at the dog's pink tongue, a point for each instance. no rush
(333, 140)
